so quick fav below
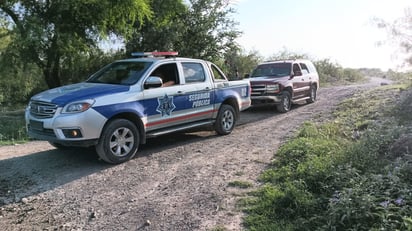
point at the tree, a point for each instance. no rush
(161, 33)
(198, 28)
(328, 72)
(237, 63)
(400, 32)
(287, 54)
(208, 31)
(4, 35)
(49, 32)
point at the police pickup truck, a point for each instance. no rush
(120, 106)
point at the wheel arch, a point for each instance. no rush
(316, 84)
(134, 119)
(234, 103)
(289, 89)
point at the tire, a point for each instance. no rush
(119, 141)
(312, 94)
(226, 120)
(285, 103)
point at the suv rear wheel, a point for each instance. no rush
(312, 94)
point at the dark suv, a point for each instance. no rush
(284, 82)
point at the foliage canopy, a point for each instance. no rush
(48, 33)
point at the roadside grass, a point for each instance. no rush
(12, 127)
(218, 228)
(343, 174)
(240, 184)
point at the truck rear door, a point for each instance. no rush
(197, 91)
(300, 82)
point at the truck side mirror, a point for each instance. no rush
(153, 82)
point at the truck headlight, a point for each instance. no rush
(272, 88)
(79, 106)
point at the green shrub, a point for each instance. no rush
(375, 201)
(12, 127)
(281, 207)
(369, 154)
(326, 178)
(301, 149)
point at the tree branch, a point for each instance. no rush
(15, 19)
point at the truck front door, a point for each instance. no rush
(164, 106)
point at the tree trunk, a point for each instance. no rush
(52, 74)
(52, 69)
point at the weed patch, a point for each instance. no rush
(240, 184)
(12, 127)
(342, 174)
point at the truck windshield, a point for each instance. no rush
(124, 73)
(272, 70)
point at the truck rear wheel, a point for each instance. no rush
(119, 141)
(285, 103)
(226, 120)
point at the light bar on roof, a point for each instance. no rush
(155, 53)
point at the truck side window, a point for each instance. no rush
(168, 73)
(193, 72)
(305, 69)
(296, 69)
(217, 74)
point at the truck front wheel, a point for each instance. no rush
(285, 103)
(226, 120)
(119, 141)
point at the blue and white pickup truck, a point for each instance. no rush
(127, 101)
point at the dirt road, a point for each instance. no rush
(176, 182)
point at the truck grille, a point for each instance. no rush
(258, 90)
(42, 110)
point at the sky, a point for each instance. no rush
(341, 30)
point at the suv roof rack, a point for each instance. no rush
(165, 54)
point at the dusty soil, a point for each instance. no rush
(176, 182)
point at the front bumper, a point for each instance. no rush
(77, 129)
(266, 99)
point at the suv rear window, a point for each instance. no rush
(272, 70)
